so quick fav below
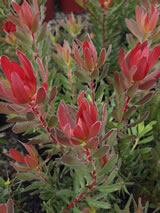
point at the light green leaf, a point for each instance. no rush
(110, 188)
(98, 204)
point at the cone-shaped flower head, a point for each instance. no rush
(137, 63)
(21, 79)
(147, 21)
(26, 18)
(27, 162)
(85, 126)
(90, 61)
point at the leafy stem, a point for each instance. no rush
(90, 187)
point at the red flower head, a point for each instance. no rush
(26, 18)
(90, 55)
(28, 162)
(9, 27)
(84, 128)
(147, 21)
(22, 80)
(136, 64)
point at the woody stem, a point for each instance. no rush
(90, 187)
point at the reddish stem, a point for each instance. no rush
(90, 187)
(4, 2)
(126, 105)
(88, 155)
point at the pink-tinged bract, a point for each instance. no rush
(147, 21)
(26, 163)
(136, 64)
(26, 16)
(85, 127)
(21, 79)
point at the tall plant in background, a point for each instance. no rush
(94, 146)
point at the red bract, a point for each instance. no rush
(9, 27)
(137, 63)
(90, 56)
(26, 18)
(28, 162)
(147, 21)
(84, 128)
(22, 80)
(64, 51)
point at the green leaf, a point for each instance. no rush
(25, 40)
(83, 77)
(145, 150)
(98, 204)
(24, 126)
(130, 112)
(146, 129)
(95, 74)
(145, 99)
(65, 192)
(99, 93)
(3, 141)
(35, 185)
(110, 188)
(26, 176)
(52, 121)
(109, 165)
(146, 140)
(2, 182)
(112, 140)
(142, 118)
(101, 152)
(79, 181)
(43, 32)
(128, 139)
(117, 84)
(104, 72)
(111, 177)
(39, 139)
(131, 91)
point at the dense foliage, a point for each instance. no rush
(85, 93)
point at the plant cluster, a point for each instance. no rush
(91, 146)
